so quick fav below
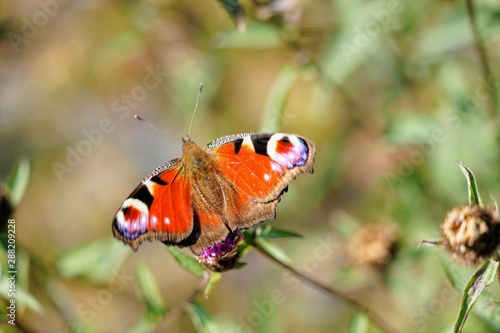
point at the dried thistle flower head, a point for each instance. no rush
(374, 245)
(471, 233)
(222, 256)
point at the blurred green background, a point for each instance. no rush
(391, 92)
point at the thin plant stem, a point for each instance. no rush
(336, 293)
(483, 57)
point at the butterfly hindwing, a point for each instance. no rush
(158, 209)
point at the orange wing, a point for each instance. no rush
(158, 209)
(259, 167)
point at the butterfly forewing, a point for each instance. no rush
(262, 165)
(234, 182)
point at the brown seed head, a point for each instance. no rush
(374, 245)
(471, 233)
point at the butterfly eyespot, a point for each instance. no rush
(242, 180)
(276, 167)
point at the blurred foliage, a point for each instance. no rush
(391, 92)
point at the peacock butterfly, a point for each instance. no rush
(199, 199)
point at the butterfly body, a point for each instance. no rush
(196, 200)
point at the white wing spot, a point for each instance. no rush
(167, 220)
(267, 177)
(149, 184)
(154, 220)
(120, 218)
(247, 141)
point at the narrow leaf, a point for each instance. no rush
(94, 260)
(150, 291)
(143, 325)
(257, 36)
(201, 319)
(273, 249)
(188, 262)
(243, 247)
(233, 7)
(483, 277)
(272, 232)
(434, 242)
(474, 197)
(277, 98)
(358, 323)
(212, 281)
(17, 181)
(236, 12)
(23, 296)
(486, 306)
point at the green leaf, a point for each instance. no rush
(212, 281)
(233, 7)
(474, 197)
(17, 181)
(188, 262)
(239, 265)
(23, 296)
(243, 247)
(143, 325)
(236, 12)
(483, 277)
(271, 232)
(487, 309)
(94, 260)
(435, 241)
(273, 249)
(150, 291)
(257, 36)
(486, 306)
(201, 319)
(277, 98)
(358, 323)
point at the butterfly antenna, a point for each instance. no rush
(195, 108)
(153, 126)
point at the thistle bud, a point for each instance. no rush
(374, 245)
(471, 233)
(222, 256)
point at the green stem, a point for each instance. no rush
(483, 57)
(336, 293)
